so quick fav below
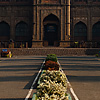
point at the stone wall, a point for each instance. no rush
(87, 13)
(57, 51)
(13, 13)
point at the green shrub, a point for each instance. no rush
(97, 55)
(51, 57)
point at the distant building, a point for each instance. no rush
(49, 22)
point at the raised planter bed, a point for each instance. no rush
(52, 83)
(35, 97)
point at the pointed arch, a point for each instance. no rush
(80, 31)
(51, 17)
(96, 31)
(4, 29)
(51, 30)
(50, 13)
(21, 29)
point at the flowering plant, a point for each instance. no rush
(53, 86)
(51, 65)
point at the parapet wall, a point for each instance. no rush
(57, 51)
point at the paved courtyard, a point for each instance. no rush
(84, 75)
(18, 73)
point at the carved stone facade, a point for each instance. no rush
(86, 12)
(45, 8)
(34, 20)
(13, 13)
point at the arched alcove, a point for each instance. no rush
(80, 32)
(4, 31)
(21, 31)
(51, 30)
(96, 31)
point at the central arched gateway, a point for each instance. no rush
(51, 31)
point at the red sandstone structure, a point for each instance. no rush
(38, 23)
